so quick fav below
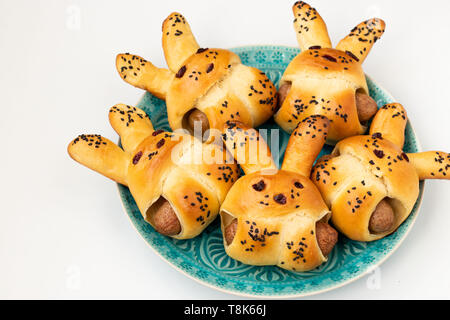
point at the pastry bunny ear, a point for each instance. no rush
(305, 144)
(248, 148)
(431, 164)
(311, 30)
(390, 121)
(101, 155)
(131, 123)
(178, 41)
(361, 39)
(143, 74)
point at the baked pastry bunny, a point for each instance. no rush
(327, 81)
(208, 86)
(277, 217)
(369, 183)
(177, 192)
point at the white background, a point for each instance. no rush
(63, 232)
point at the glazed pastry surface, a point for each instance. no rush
(325, 80)
(177, 192)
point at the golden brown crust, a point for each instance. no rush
(431, 164)
(269, 216)
(276, 217)
(245, 94)
(326, 64)
(324, 80)
(362, 38)
(161, 166)
(248, 148)
(227, 108)
(167, 168)
(213, 81)
(391, 120)
(131, 124)
(309, 26)
(194, 79)
(101, 155)
(382, 177)
(197, 203)
(379, 170)
(255, 89)
(177, 40)
(367, 174)
(142, 74)
(305, 144)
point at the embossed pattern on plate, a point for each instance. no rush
(204, 259)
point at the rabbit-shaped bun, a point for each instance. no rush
(208, 86)
(369, 183)
(326, 81)
(178, 192)
(277, 217)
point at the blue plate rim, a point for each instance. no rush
(362, 274)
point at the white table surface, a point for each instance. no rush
(63, 232)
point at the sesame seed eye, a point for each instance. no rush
(280, 198)
(259, 186)
(298, 185)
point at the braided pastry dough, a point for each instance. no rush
(177, 192)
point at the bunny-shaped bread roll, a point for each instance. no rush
(277, 217)
(369, 183)
(326, 81)
(178, 192)
(209, 86)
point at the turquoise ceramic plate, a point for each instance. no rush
(204, 258)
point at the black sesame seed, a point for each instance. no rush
(352, 55)
(160, 143)
(137, 157)
(405, 156)
(181, 72)
(298, 185)
(155, 133)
